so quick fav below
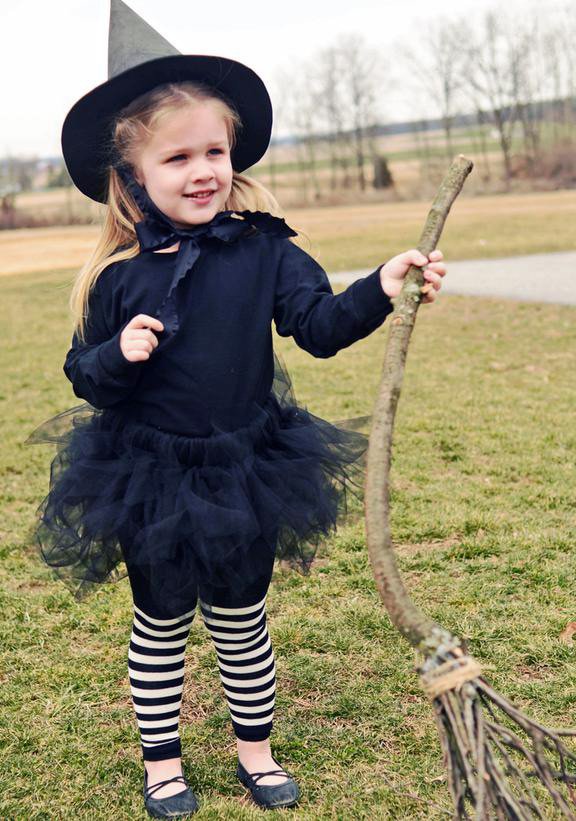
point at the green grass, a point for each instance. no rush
(483, 514)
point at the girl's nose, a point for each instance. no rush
(201, 172)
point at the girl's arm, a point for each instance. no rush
(320, 321)
(97, 368)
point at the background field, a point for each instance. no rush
(483, 513)
(356, 236)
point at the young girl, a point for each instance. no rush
(191, 461)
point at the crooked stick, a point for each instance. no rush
(492, 751)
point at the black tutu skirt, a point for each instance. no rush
(191, 507)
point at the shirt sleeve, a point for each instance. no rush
(321, 322)
(97, 368)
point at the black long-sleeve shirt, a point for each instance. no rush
(220, 360)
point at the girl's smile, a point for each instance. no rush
(185, 166)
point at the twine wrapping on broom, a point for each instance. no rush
(450, 675)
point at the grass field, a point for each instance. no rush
(483, 513)
(356, 236)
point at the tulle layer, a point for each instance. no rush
(187, 509)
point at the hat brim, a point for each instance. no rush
(86, 131)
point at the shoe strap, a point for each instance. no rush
(152, 789)
(257, 776)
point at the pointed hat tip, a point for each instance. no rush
(131, 40)
(115, 5)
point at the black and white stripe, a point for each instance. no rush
(156, 671)
(246, 664)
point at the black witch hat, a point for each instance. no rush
(139, 59)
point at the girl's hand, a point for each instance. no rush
(136, 340)
(392, 274)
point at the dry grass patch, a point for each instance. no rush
(353, 236)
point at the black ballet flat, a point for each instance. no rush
(270, 796)
(183, 803)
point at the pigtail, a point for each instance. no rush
(249, 195)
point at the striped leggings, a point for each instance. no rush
(156, 663)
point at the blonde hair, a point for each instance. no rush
(134, 125)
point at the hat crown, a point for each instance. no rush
(139, 60)
(131, 40)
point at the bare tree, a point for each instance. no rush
(361, 69)
(530, 83)
(482, 122)
(326, 75)
(441, 69)
(561, 54)
(496, 73)
(300, 115)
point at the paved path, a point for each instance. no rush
(533, 278)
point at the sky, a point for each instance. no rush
(55, 51)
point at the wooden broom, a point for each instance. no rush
(494, 754)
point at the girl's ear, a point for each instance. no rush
(137, 175)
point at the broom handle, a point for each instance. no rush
(406, 616)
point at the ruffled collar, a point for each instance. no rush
(156, 232)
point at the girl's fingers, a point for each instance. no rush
(150, 336)
(145, 321)
(434, 279)
(436, 268)
(141, 345)
(137, 356)
(416, 257)
(412, 257)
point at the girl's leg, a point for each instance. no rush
(237, 625)
(246, 663)
(156, 670)
(156, 673)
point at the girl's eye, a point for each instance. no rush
(183, 156)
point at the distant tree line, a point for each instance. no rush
(517, 75)
(514, 77)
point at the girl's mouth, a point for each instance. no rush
(200, 197)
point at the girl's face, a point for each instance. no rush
(185, 166)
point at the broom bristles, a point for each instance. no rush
(492, 770)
